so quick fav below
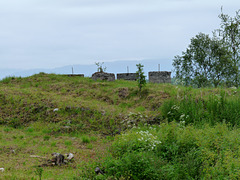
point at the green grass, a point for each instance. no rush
(198, 129)
(174, 151)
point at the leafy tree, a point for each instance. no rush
(141, 78)
(230, 33)
(206, 62)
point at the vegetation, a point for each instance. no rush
(212, 61)
(230, 33)
(171, 132)
(141, 78)
(206, 62)
(100, 67)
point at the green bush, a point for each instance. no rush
(141, 165)
(175, 151)
(134, 141)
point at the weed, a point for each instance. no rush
(85, 139)
(7, 129)
(93, 138)
(89, 146)
(39, 172)
(140, 109)
(53, 144)
(46, 138)
(68, 143)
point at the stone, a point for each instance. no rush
(58, 159)
(69, 156)
(73, 75)
(159, 77)
(103, 76)
(98, 171)
(127, 76)
(56, 109)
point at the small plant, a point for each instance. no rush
(89, 146)
(53, 144)
(141, 78)
(85, 139)
(39, 172)
(46, 138)
(100, 67)
(68, 143)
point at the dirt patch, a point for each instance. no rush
(159, 96)
(123, 92)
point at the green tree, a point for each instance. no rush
(206, 62)
(230, 33)
(141, 78)
(100, 67)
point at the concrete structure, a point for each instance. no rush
(80, 75)
(159, 77)
(103, 76)
(127, 76)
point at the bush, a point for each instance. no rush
(141, 165)
(185, 152)
(134, 141)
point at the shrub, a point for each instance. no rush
(141, 78)
(141, 165)
(185, 152)
(134, 141)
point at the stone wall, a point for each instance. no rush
(80, 75)
(127, 76)
(159, 77)
(103, 76)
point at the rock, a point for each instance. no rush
(103, 76)
(2, 170)
(58, 159)
(159, 77)
(69, 156)
(66, 127)
(56, 109)
(127, 76)
(98, 171)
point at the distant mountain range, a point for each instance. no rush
(88, 70)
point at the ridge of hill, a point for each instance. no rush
(88, 70)
(79, 100)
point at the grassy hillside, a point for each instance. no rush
(88, 105)
(48, 113)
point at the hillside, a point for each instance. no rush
(47, 113)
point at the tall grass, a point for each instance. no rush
(199, 110)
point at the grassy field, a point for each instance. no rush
(167, 132)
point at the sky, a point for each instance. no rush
(55, 33)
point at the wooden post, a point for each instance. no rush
(72, 70)
(127, 69)
(158, 67)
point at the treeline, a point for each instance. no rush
(212, 60)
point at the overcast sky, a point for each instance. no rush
(54, 33)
